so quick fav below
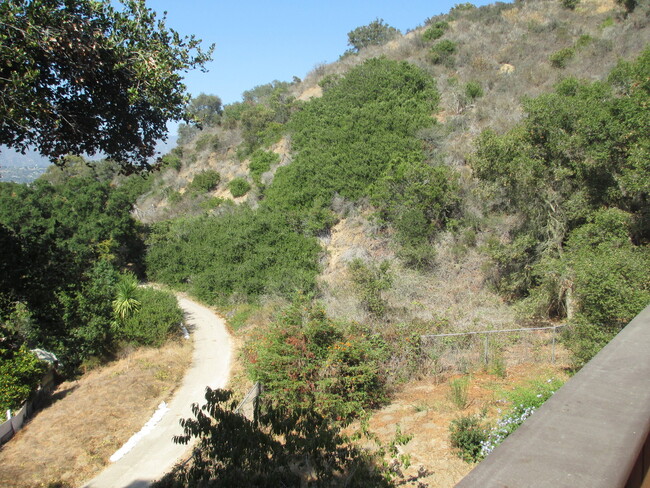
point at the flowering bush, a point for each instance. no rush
(525, 401)
(474, 440)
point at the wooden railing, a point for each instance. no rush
(593, 433)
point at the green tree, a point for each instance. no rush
(84, 77)
(375, 33)
(280, 447)
(206, 109)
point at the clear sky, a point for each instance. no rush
(260, 41)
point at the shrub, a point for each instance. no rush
(157, 318)
(473, 90)
(20, 374)
(435, 31)
(205, 181)
(559, 59)
(346, 139)
(458, 388)
(261, 162)
(244, 252)
(239, 187)
(207, 141)
(570, 4)
(374, 34)
(172, 161)
(370, 280)
(305, 360)
(468, 434)
(442, 52)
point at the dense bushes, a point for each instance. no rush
(345, 140)
(576, 171)
(417, 199)
(205, 181)
(442, 53)
(244, 252)
(261, 162)
(306, 361)
(20, 372)
(239, 187)
(156, 319)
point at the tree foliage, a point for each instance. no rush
(85, 77)
(306, 361)
(375, 33)
(279, 447)
(576, 170)
(242, 252)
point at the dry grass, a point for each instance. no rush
(425, 409)
(89, 419)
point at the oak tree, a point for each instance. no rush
(82, 76)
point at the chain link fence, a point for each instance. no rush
(496, 350)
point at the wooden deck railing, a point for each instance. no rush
(593, 433)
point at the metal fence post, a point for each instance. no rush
(553, 346)
(486, 349)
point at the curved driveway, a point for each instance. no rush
(156, 454)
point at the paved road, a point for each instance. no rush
(155, 454)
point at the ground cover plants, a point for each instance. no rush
(474, 437)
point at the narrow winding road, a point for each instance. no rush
(155, 454)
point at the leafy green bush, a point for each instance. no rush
(157, 318)
(467, 434)
(370, 280)
(240, 252)
(261, 162)
(559, 59)
(435, 31)
(442, 53)
(172, 161)
(205, 181)
(239, 187)
(304, 360)
(345, 140)
(417, 199)
(20, 374)
(473, 90)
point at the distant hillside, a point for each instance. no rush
(25, 168)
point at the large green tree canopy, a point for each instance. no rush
(80, 76)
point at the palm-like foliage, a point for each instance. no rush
(125, 303)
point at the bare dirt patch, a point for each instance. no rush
(89, 419)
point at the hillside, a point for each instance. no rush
(430, 232)
(506, 51)
(464, 176)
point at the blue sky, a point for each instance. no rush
(261, 41)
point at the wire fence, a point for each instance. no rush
(494, 349)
